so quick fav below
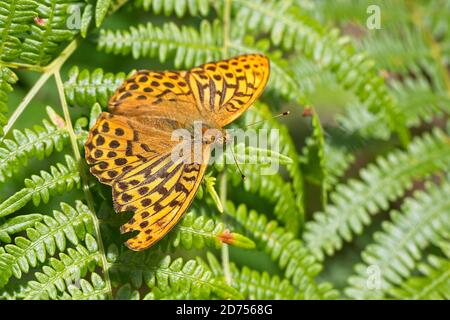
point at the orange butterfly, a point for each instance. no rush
(130, 148)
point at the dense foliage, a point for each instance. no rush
(360, 209)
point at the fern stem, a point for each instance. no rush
(224, 249)
(24, 103)
(19, 65)
(48, 71)
(84, 179)
(226, 26)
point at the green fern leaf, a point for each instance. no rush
(299, 266)
(434, 284)
(387, 180)
(40, 188)
(7, 79)
(39, 142)
(179, 7)
(85, 88)
(398, 248)
(44, 239)
(60, 273)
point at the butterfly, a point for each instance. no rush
(130, 147)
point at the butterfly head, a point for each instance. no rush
(215, 136)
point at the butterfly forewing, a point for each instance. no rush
(131, 149)
(225, 89)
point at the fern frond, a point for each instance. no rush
(40, 142)
(282, 19)
(60, 179)
(68, 225)
(398, 247)
(7, 79)
(254, 284)
(257, 285)
(401, 50)
(337, 160)
(95, 289)
(16, 19)
(359, 119)
(84, 88)
(354, 72)
(313, 155)
(418, 101)
(60, 273)
(180, 7)
(191, 276)
(433, 284)
(45, 39)
(188, 46)
(16, 225)
(354, 202)
(298, 264)
(198, 231)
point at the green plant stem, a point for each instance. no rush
(84, 178)
(24, 103)
(48, 71)
(223, 181)
(226, 26)
(24, 66)
(225, 249)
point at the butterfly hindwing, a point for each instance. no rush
(158, 192)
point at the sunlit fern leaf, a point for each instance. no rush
(282, 19)
(60, 179)
(261, 286)
(58, 274)
(397, 248)
(299, 266)
(95, 289)
(254, 284)
(7, 79)
(167, 274)
(45, 239)
(198, 231)
(16, 225)
(354, 202)
(188, 46)
(85, 87)
(49, 31)
(40, 141)
(179, 7)
(338, 160)
(16, 19)
(432, 284)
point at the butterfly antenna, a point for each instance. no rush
(277, 116)
(237, 165)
